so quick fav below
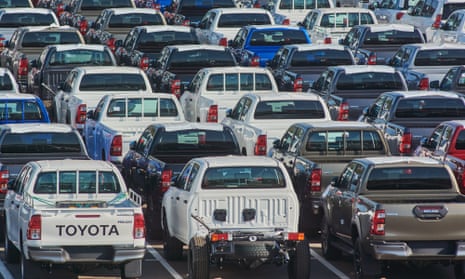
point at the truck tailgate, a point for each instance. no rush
(249, 209)
(87, 226)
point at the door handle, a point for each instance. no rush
(185, 201)
(177, 198)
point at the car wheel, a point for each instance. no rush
(299, 262)
(30, 269)
(198, 259)
(172, 247)
(364, 265)
(327, 239)
(11, 253)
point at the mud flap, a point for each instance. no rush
(133, 269)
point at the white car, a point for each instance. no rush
(230, 209)
(215, 90)
(7, 82)
(294, 11)
(221, 24)
(452, 31)
(85, 86)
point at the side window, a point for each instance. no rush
(237, 111)
(335, 140)
(22, 179)
(296, 140)
(215, 82)
(184, 176)
(316, 142)
(356, 178)
(192, 176)
(445, 139)
(377, 106)
(448, 80)
(247, 105)
(372, 141)
(143, 140)
(386, 108)
(232, 82)
(98, 109)
(285, 4)
(287, 138)
(68, 83)
(262, 82)
(346, 176)
(460, 141)
(247, 81)
(396, 60)
(353, 140)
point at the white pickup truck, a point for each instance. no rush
(74, 212)
(259, 119)
(118, 119)
(228, 209)
(213, 91)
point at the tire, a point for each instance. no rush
(364, 265)
(131, 270)
(153, 224)
(299, 262)
(172, 247)
(30, 269)
(327, 249)
(459, 270)
(12, 255)
(198, 259)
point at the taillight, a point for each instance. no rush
(260, 145)
(2, 44)
(166, 176)
(462, 182)
(144, 63)
(156, 6)
(405, 144)
(81, 114)
(23, 67)
(83, 24)
(4, 177)
(255, 61)
(399, 15)
(212, 115)
(298, 84)
(314, 181)
(111, 44)
(294, 236)
(286, 21)
(377, 222)
(215, 237)
(176, 87)
(186, 22)
(60, 9)
(424, 84)
(372, 59)
(139, 226)
(223, 42)
(327, 40)
(437, 22)
(34, 228)
(116, 148)
(343, 112)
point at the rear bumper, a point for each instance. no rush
(86, 254)
(424, 250)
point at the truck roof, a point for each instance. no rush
(425, 93)
(388, 160)
(37, 127)
(240, 10)
(169, 127)
(141, 95)
(72, 165)
(235, 69)
(108, 69)
(26, 10)
(389, 26)
(235, 160)
(65, 47)
(303, 47)
(194, 46)
(343, 10)
(330, 124)
(127, 10)
(283, 95)
(353, 69)
(273, 27)
(15, 96)
(428, 46)
(159, 28)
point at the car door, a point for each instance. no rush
(190, 98)
(90, 132)
(64, 95)
(205, 29)
(235, 121)
(138, 158)
(449, 31)
(338, 200)
(280, 153)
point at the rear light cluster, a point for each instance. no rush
(175, 87)
(116, 148)
(294, 236)
(139, 226)
(2, 42)
(111, 43)
(405, 144)
(424, 84)
(372, 59)
(260, 145)
(4, 177)
(255, 61)
(212, 115)
(298, 84)
(23, 67)
(377, 222)
(34, 228)
(437, 22)
(343, 114)
(144, 63)
(327, 40)
(83, 26)
(399, 15)
(60, 9)
(223, 42)
(286, 22)
(166, 176)
(314, 181)
(215, 237)
(81, 114)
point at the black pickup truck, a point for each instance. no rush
(160, 154)
(314, 153)
(454, 80)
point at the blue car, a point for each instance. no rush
(255, 45)
(22, 108)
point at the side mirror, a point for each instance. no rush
(33, 63)
(424, 142)
(410, 10)
(132, 145)
(230, 43)
(365, 111)
(10, 184)
(434, 84)
(118, 43)
(228, 112)
(90, 114)
(277, 144)
(342, 41)
(334, 181)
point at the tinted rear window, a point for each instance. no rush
(81, 57)
(450, 8)
(5, 82)
(114, 82)
(201, 58)
(345, 19)
(409, 178)
(289, 109)
(138, 107)
(104, 4)
(136, 19)
(155, 41)
(440, 57)
(243, 177)
(45, 142)
(430, 107)
(239, 20)
(41, 39)
(236, 82)
(344, 140)
(277, 37)
(195, 141)
(370, 80)
(303, 4)
(26, 19)
(206, 5)
(326, 57)
(392, 37)
(19, 111)
(14, 3)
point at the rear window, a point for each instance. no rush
(440, 57)
(195, 141)
(138, 107)
(450, 8)
(289, 109)
(323, 141)
(75, 182)
(243, 177)
(136, 19)
(155, 41)
(26, 19)
(81, 57)
(5, 82)
(45, 142)
(409, 178)
(345, 19)
(277, 37)
(394, 37)
(95, 5)
(14, 4)
(41, 39)
(327, 57)
(205, 5)
(114, 82)
(238, 81)
(201, 58)
(239, 20)
(12, 111)
(303, 4)
(430, 107)
(370, 80)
